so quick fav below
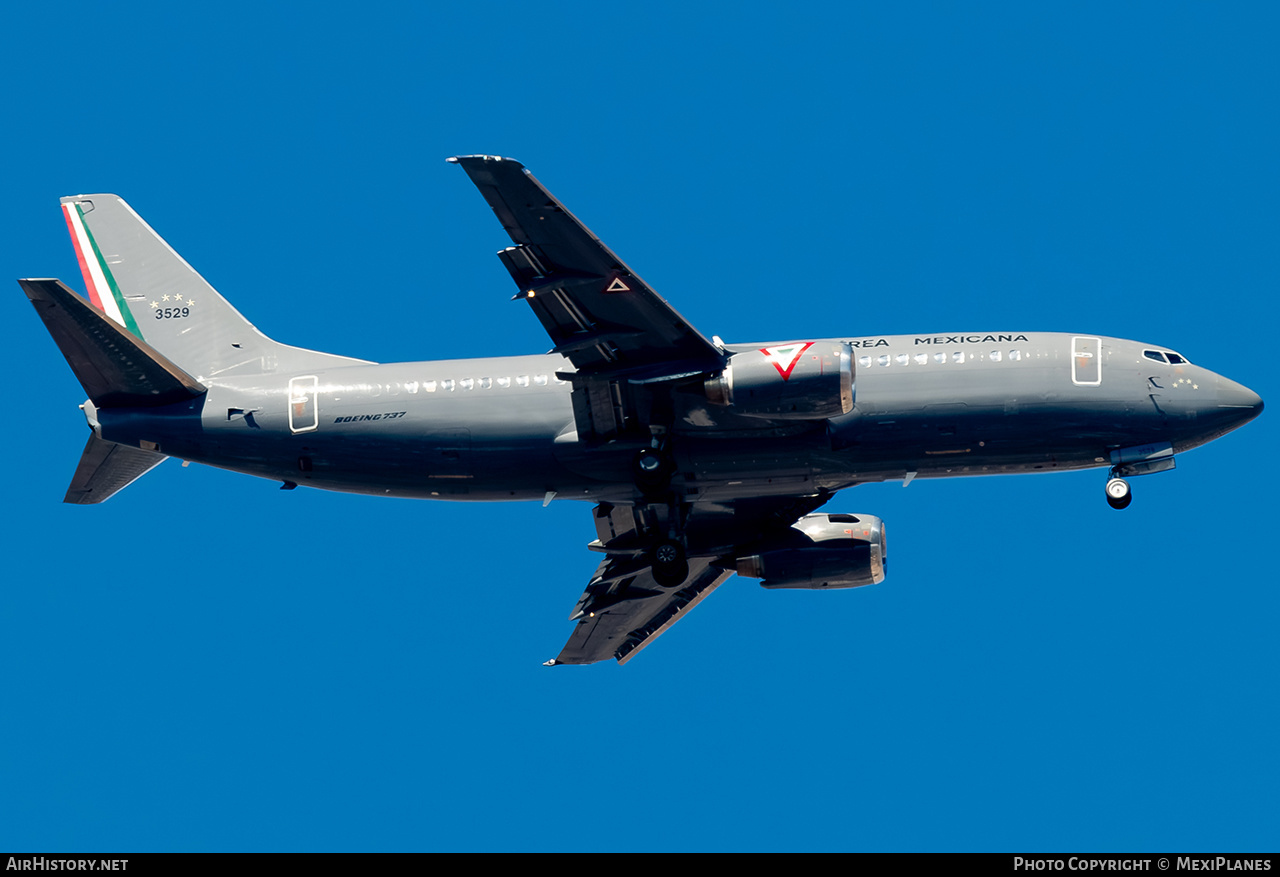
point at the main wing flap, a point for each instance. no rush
(617, 617)
(597, 311)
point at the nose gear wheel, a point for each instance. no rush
(1119, 494)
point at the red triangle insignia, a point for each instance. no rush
(785, 356)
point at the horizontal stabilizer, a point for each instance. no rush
(115, 368)
(107, 468)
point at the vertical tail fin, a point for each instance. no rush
(141, 283)
(137, 279)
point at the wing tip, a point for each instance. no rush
(478, 159)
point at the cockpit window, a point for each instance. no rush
(1154, 354)
(1175, 359)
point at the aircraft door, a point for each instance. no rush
(304, 414)
(1086, 361)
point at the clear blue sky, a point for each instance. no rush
(208, 663)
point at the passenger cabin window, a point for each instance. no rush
(504, 382)
(958, 356)
(522, 381)
(486, 383)
(540, 380)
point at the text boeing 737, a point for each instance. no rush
(701, 458)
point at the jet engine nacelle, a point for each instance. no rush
(822, 551)
(802, 381)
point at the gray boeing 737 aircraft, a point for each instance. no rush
(701, 458)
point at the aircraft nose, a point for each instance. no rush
(1232, 396)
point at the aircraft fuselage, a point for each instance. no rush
(504, 428)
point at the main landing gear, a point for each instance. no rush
(669, 565)
(1119, 494)
(652, 468)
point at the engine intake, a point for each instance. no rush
(801, 381)
(822, 551)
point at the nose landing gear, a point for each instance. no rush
(1119, 494)
(1130, 462)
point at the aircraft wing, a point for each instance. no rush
(599, 314)
(623, 609)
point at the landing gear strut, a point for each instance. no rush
(652, 468)
(1119, 495)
